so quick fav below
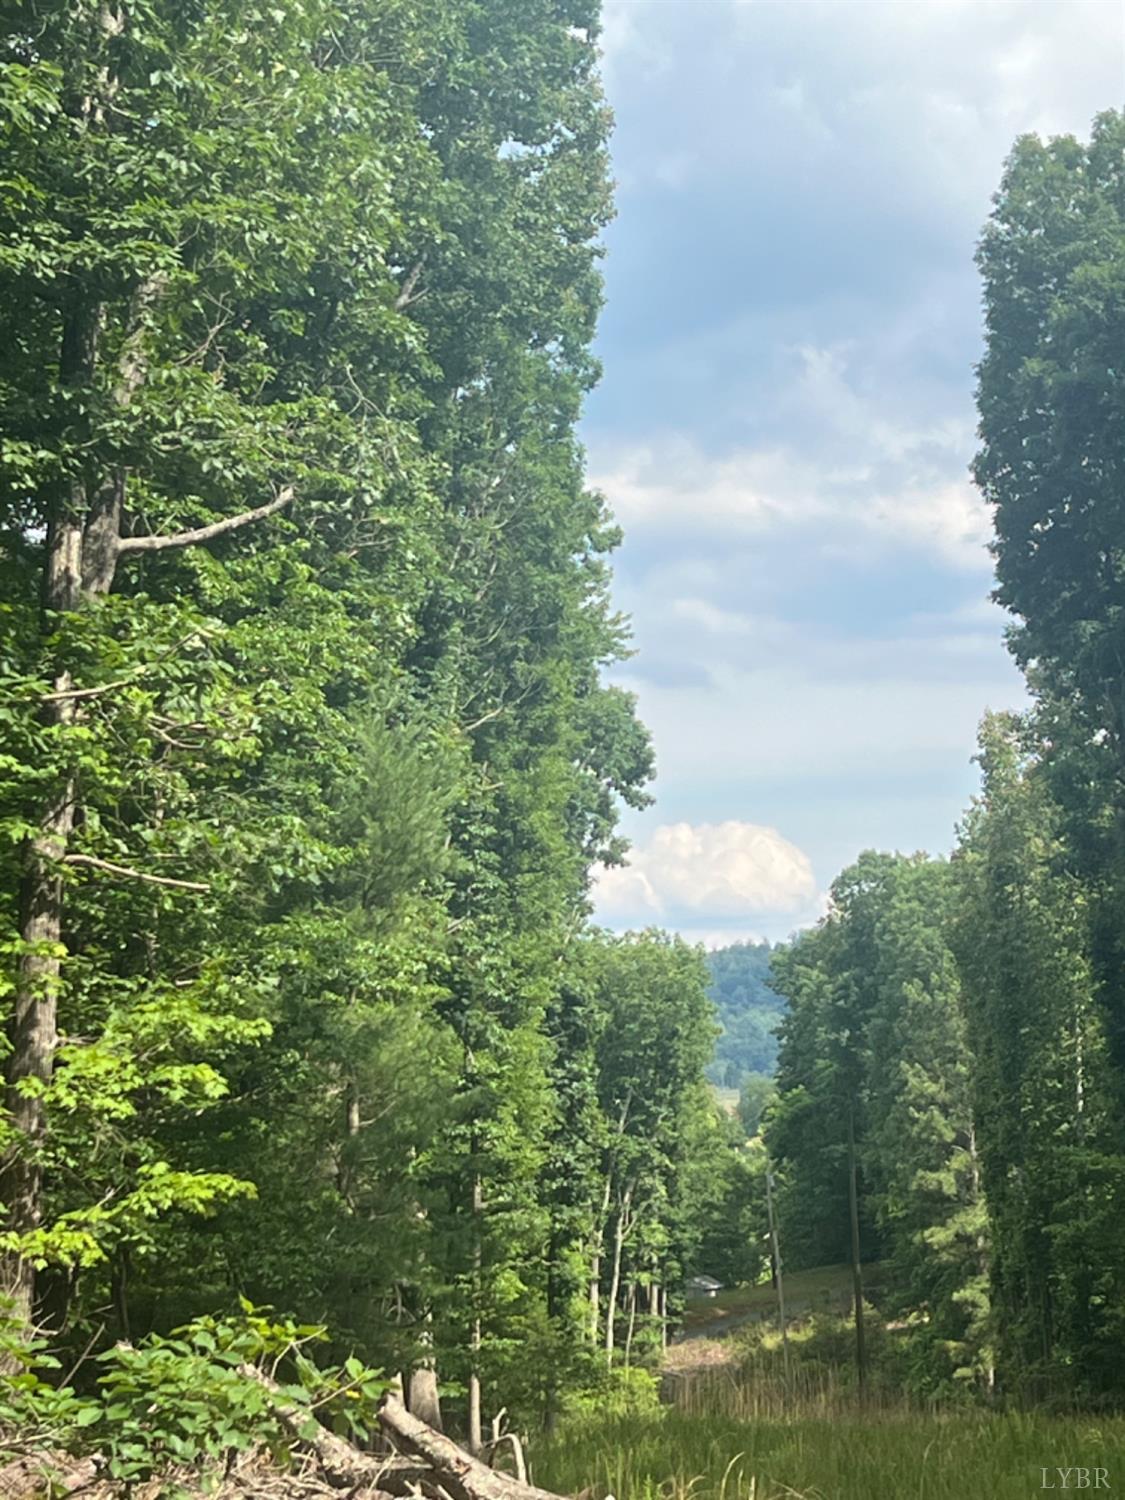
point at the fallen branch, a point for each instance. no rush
(518, 1459)
(342, 1465)
(459, 1474)
(427, 1462)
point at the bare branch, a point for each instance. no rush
(69, 694)
(207, 533)
(484, 719)
(112, 869)
(65, 694)
(406, 295)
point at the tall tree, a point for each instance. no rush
(1052, 401)
(1042, 1081)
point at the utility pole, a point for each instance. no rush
(779, 1282)
(857, 1269)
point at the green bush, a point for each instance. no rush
(36, 1415)
(184, 1407)
(619, 1392)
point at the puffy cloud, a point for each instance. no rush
(727, 871)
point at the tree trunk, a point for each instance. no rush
(777, 1269)
(857, 1269)
(631, 1303)
(596, 1261)
(462, 1477)
(620, 1229)
(476, 1435)
(425, 1395)
(33, 1029)
(984, 1265)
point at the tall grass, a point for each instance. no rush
(671, 1454)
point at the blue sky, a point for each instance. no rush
(786, 420)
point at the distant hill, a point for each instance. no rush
(748, 1012)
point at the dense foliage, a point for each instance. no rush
(306, 748)
(875, 1069)
(966, 1019)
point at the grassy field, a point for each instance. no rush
(671, 1455)
(827, 1287)
(738, 1426)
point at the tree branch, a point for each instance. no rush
(112, 869)
(65, 694)
(207, 533)
(484, 719)
(406, 295)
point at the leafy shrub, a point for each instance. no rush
(619, 1392)
(186, 1406)
(35, 1414)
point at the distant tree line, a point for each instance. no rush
(749, 1011)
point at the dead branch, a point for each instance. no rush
(406, 295)
(427, 1463)
(459, 1474)
(518, 1459)
(207, 533)
(124, 870)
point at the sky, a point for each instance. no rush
(785, 423)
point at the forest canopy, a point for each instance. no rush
(307, 745)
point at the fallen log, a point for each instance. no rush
(427, 1462)
(342, 1465)
(458, 1473)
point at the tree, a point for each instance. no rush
(757, 1093)
(923, 1158)
(652, 1046)
(1041, 1080)
(176, 178)
(1051, 461)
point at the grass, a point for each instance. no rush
(741, 1426)
(668, 1454)
(826, 1287)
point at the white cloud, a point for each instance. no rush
(860, 478)
(852, 510)
(726, 870)
(932, 91)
